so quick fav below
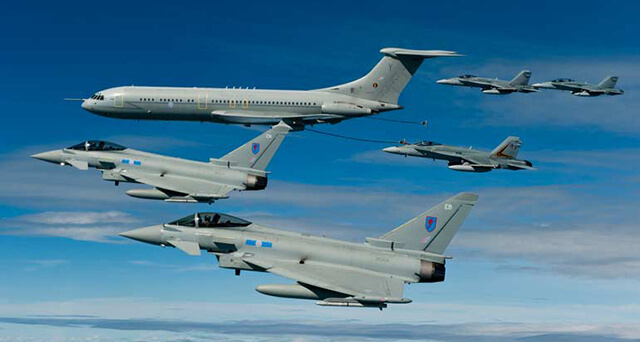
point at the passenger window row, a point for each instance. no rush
(284, 103)
(146, 99)
(242, 102)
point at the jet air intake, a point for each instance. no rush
(255, 182)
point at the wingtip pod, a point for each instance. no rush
(397, 52)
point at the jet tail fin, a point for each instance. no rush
(258, 152)
(509, 148)
(433, 230)
(608, 82)
(388, 78)
(522, 78)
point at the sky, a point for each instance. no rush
(545, 255)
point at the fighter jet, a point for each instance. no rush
(468, 159)
(606, 87)
(333, 272)
(175, 179)
(494, 86)
(374, 93)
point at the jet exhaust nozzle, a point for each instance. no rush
(431, 272)
(255, 182)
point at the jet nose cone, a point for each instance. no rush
(443, 81)
(538, 85)
(150, 234)
(392, 149)
(50, 156)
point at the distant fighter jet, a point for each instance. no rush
(606, 87)
(468, 159)
(494, 86)
(175, 179)
(336, 273)
(374, 93)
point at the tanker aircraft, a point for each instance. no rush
(606, 87)
(175, 179)
(333, 272)
(519, 84)
(374, 93)
(468, 159)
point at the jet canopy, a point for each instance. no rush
(97, 145)
(210, 220)
(427, 143)
(563, 80)
(467, 76)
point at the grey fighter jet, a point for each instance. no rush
(468, 159)
(376, 92)
(336, 273)
(606, 87)
(519, 84)
(175, 179)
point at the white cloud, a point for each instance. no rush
(208, 267)
(88, 226)
(70, 217)
(47, 262)
(209, 319)
(592, 250)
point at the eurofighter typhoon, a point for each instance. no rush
(468, 159)
(175, 179)
(583, 89)
(519, 84)
(333, 272)
(374, 93)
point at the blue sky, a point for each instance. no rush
(548, 254)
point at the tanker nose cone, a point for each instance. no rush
(50, 156)
(150, 234)
(88, 106)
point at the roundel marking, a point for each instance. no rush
(430, 223)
